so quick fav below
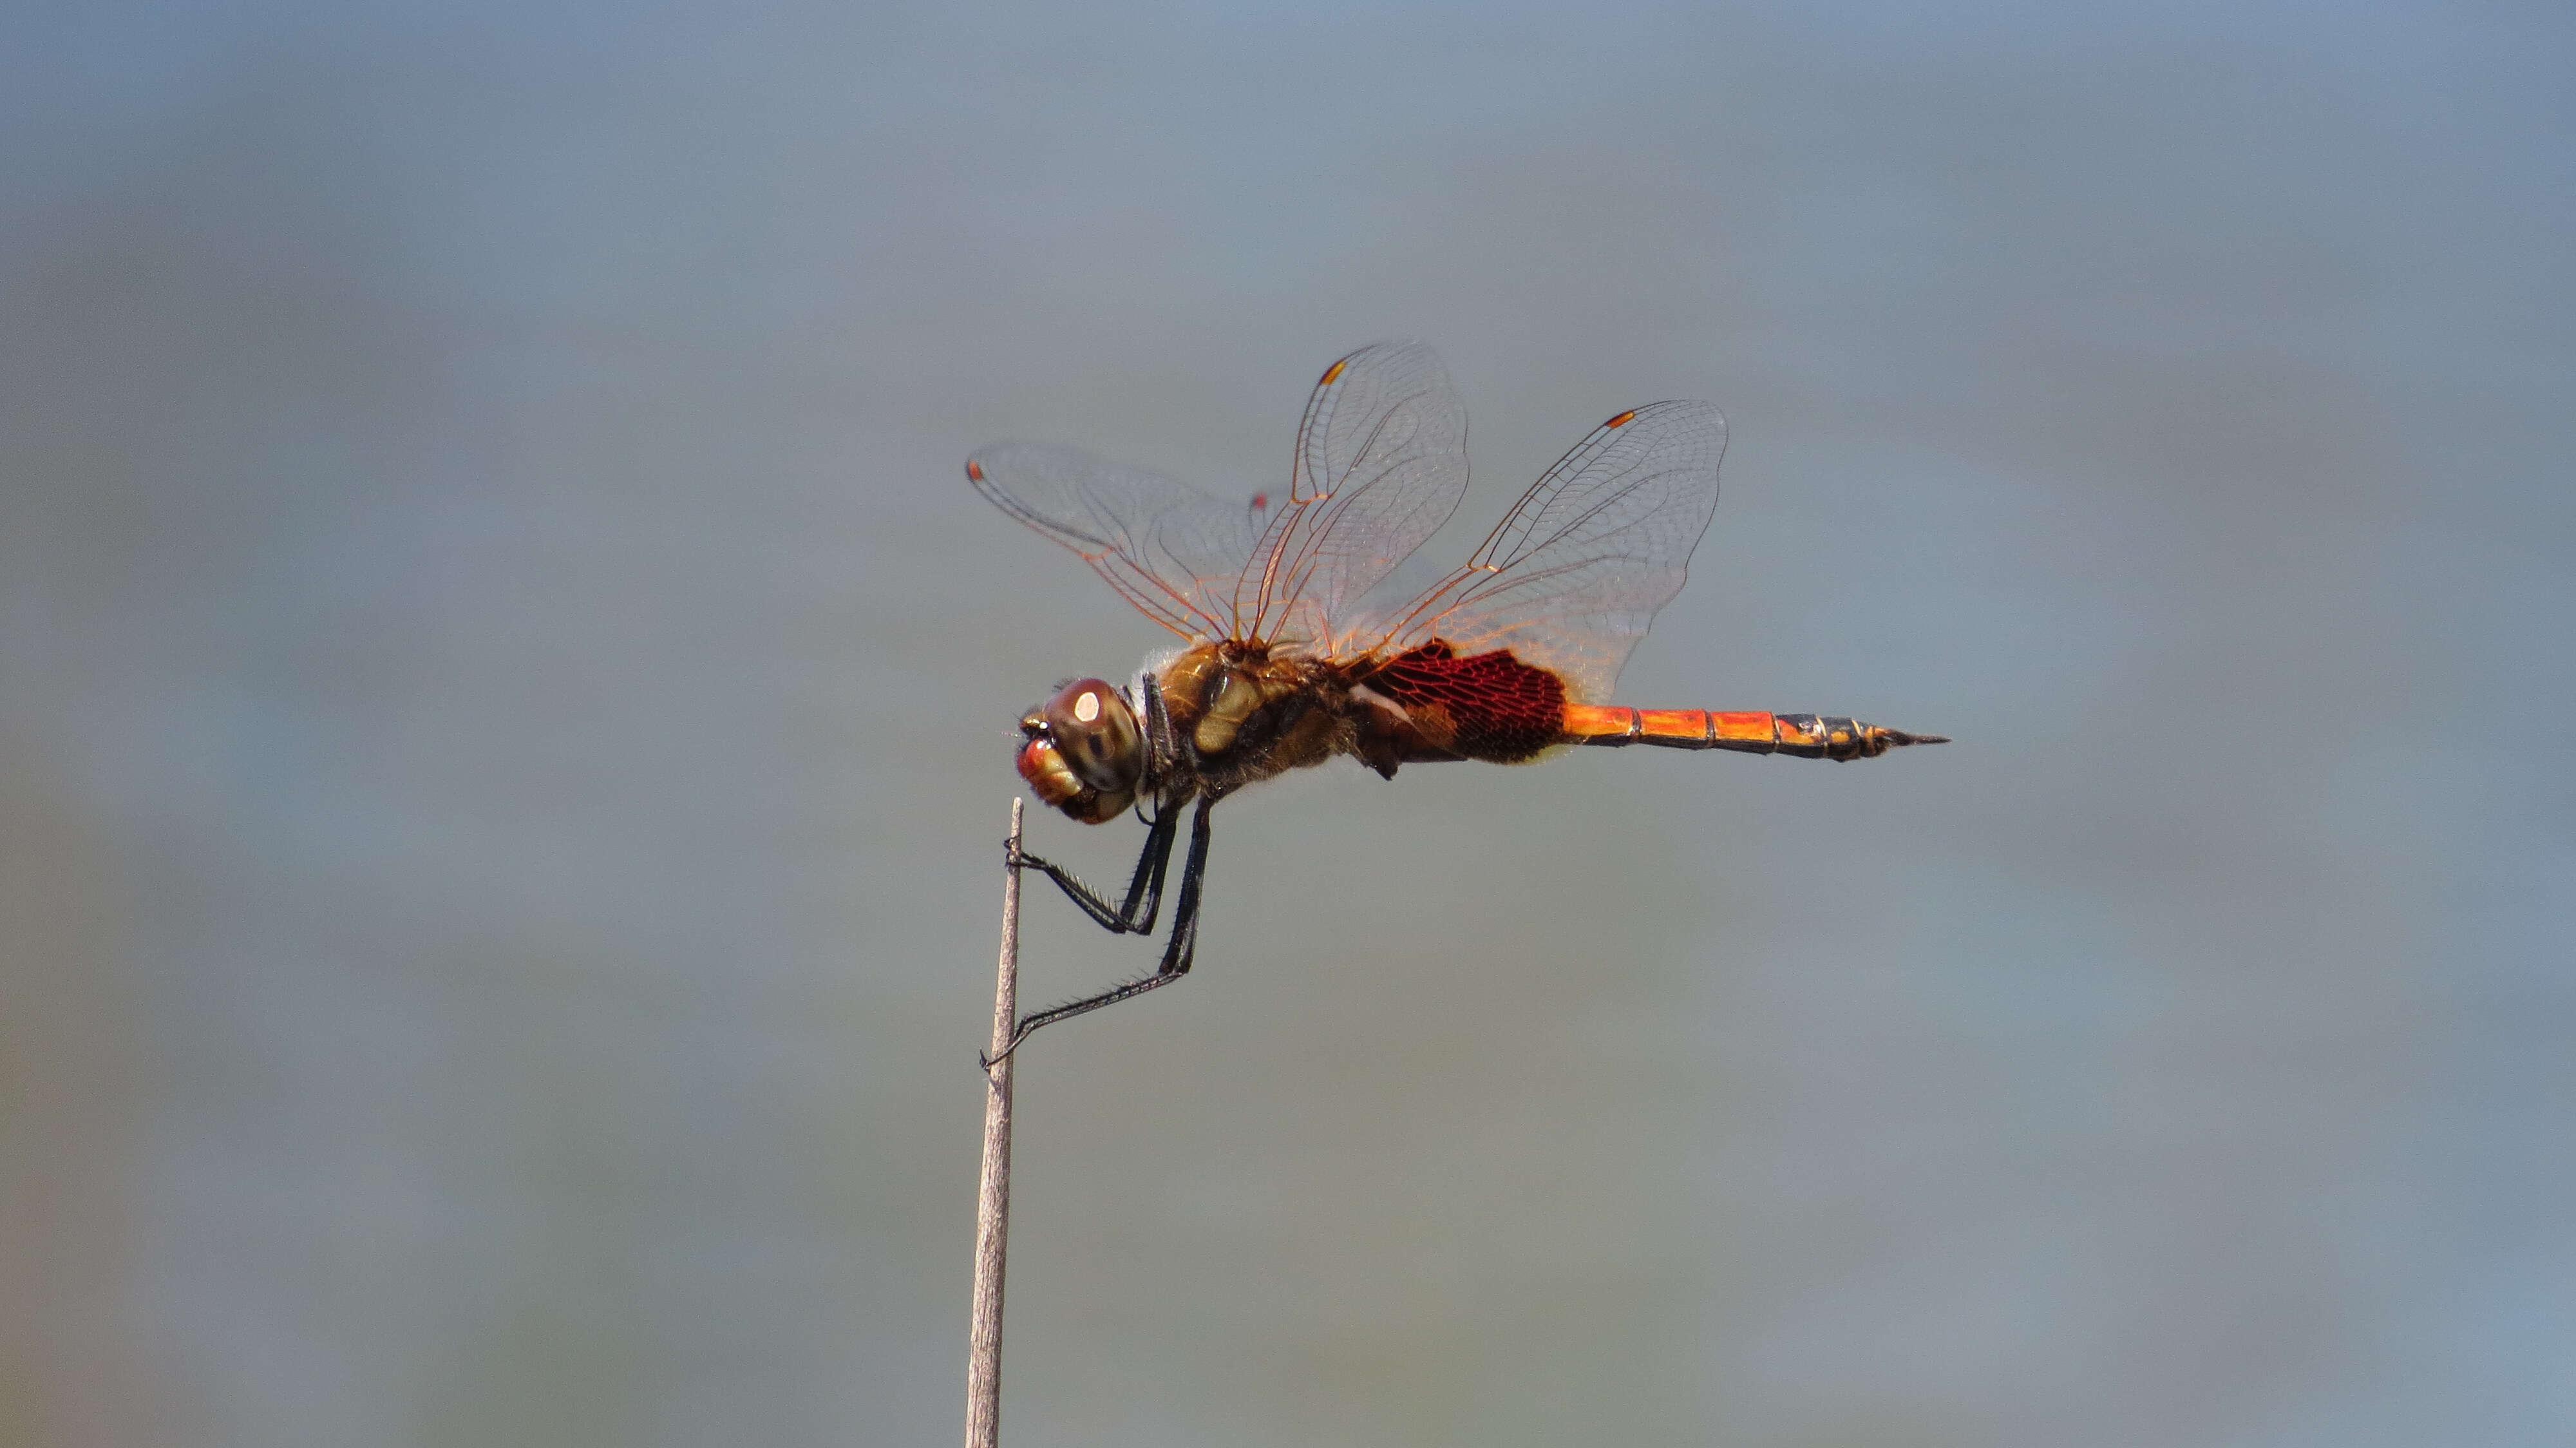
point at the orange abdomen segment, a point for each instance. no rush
(1614, 724)
(1808, 736)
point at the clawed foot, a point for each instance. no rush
(989, 1062)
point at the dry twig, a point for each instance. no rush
(993, 1199)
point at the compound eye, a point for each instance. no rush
(1096, 733)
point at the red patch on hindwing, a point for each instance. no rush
(1488, 706)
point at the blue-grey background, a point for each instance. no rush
(506, 705)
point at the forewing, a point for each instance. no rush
(1577, 571)
(1175, 552)
(1381, 464)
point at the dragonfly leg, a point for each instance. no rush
(1144, 888)
(1178, 953)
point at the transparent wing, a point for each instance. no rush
(1381, 464)
(1576, 572)
(1175, 552)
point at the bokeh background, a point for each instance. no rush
(506, 705)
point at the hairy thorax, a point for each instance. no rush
(1241, 713)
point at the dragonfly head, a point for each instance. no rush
(1082, 751)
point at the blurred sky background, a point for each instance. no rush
(506, 706)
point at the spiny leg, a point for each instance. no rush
(1177, 955)
(1144, 888)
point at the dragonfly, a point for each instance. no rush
(1300, 644)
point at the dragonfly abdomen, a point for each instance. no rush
(1805, 736)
